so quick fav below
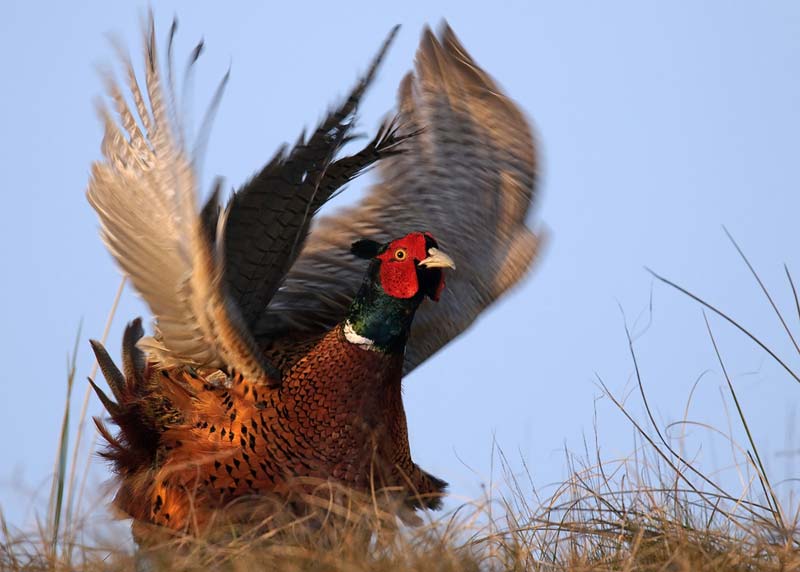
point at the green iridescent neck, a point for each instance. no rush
(381, 321)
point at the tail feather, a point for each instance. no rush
(133, 359)
(114, 377)
(108, 403)
(135, 411)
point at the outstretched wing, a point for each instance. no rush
(269, 217)
(144, 191)
(192, 267)
(469, 178)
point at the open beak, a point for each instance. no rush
(437, 259)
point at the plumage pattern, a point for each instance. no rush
(206, 278)
(253, 384)
(338, 415)
(269, 217)
(145, 194)
(469, 177)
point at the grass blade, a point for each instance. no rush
(59, 476)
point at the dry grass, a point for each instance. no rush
(599, 519)
(655, 510)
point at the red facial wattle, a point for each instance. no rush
(399, 276)
(399, 273)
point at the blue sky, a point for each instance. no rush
(658, 123)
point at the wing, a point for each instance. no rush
(180, 260)
(469, 178)
(144, 193)
(269, 217)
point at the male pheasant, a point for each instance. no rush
(278, 353)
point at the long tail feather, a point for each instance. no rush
(112, 408)
(138, 412)
(114, 377)
(133, 359)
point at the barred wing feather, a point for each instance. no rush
(469, 178)
(144, 191)
(208, 275)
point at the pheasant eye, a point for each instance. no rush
(400, 254)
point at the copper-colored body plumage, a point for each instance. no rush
(338, 414)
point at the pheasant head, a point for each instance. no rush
(402, 273)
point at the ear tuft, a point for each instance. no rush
(365, 248)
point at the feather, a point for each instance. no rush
(133, 359)
(208, 276)
(112, 408)
(145, 193)
(114, 377)
(269, 217)
(468, 176)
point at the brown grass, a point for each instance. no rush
(633, 514)
(653, 511)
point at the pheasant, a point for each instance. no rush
(279, 350)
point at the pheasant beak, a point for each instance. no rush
(437, 259)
